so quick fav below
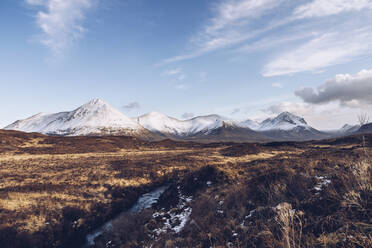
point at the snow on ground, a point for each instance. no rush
(322, 182)
(247, 217)
(174, 219)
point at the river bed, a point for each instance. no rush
(143, 202)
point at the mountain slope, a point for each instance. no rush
(287, 126)
(172, 127)
(254, 125)
(299, 133)
(367, 128)
(230, 132)
(284, 121)
(93, 118)
(348, 129)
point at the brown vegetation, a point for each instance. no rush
(53, 190)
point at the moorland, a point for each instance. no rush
(55, 190)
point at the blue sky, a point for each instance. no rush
(238, 58)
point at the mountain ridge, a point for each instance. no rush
(99, 118)
(93, 118)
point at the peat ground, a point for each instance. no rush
(54, 190)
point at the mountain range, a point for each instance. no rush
(99, 118)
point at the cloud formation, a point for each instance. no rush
(321, 8)
(230, 22)
(131, 106)
(233, 22)
(340, 99)
(320, 52)
(350, 90)
(177, 74)
(60, 21)
(312, 34)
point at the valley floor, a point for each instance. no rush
(56, 190)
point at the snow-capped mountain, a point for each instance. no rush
(99, 118)
(284, 121)
(287, 126)
(94, 117)
(160, 123)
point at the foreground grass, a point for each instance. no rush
(54, 190)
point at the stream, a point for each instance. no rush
(143, 202)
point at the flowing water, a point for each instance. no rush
(143, 202)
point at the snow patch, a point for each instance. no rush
(322, 182)
(175, 219)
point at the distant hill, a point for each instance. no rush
(101, 119)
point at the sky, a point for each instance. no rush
(243, 59)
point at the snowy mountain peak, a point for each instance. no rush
(291, 118)
(96, 101)
(94, 117)
(97, 117)
(96, 107)
(284, 121)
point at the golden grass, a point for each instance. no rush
(35, 188)
(50, 182)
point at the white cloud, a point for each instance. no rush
(35, 2)
(237, 12)
(233, 22)
(61, 21)
(176, 74)
(320, 8)
(172, 72)
(340, 99)
(257, 25)
(350, 90)
(324, 51)
(176, 77)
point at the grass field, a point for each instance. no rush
(54, 190)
